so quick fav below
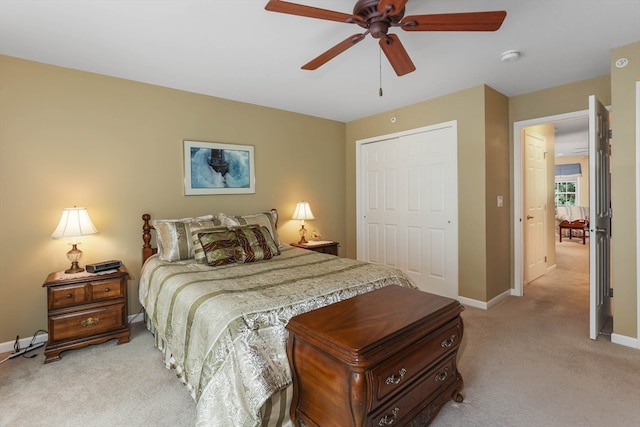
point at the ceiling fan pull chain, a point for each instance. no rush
(380, 61)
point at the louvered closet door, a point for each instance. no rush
(409, 206)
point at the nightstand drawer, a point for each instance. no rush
(86, 323)
(107, 289)
(68, 296)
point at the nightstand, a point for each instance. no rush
(85, 309)
(325, 246)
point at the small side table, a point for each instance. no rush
(325, 246)
(579, 224)
(85, 309)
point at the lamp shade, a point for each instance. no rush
(303, 211)
(75, 222)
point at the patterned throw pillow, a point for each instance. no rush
(264, 219)
(174, 238)
(197, 227)
(255, 244)
(219, 246)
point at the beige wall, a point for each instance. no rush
(497, 160)
(623, 193)
(115, 146)
(123, 140)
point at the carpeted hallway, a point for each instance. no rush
(526, 362)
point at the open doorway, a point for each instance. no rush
(569, 130)
(599, 215)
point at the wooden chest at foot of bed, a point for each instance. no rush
(381, 358)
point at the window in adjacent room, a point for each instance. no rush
(567, 191)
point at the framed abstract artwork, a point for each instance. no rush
(215, 168)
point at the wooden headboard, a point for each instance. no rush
(148, 250)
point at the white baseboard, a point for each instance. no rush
(135, 318)
(625, 341)
(7, 347)
(482, 304)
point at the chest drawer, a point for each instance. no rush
(68, 296)
(86, 323)
(394, 373)
(415, 397)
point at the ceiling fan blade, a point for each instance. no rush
(336, 50)
(391, 6)
(310, 11)
(471, 21)
(396, 54)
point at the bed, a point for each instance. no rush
(221, 324)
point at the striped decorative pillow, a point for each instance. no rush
(197, 227)
(219, 246)
(255, 244)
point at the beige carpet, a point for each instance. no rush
(526, 362)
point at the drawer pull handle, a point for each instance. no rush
(441, 376)
(392, 379)
(107, 289)
(69, 295)
(448, 342)
(389, 419)
(90, 322)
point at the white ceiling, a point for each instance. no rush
(237, 50)
(572, 137)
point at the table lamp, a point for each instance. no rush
(302, 212)
(74, 223)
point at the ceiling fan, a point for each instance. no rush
(377, 16)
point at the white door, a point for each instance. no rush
(408, 206)
(535, 199)
(599, 217)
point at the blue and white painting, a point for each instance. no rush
(212, 168)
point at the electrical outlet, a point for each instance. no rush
(500, 202)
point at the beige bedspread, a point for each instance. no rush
(222, 328)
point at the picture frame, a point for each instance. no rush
(218, 168)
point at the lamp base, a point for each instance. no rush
(74, 255)
(303, 232)
(75, 268)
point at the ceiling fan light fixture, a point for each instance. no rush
(510, 56)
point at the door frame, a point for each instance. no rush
(518, 190)
(637, 213)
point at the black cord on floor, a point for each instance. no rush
(25, 350)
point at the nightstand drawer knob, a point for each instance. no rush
(107, 289)
(69, 295)
(90, 322)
